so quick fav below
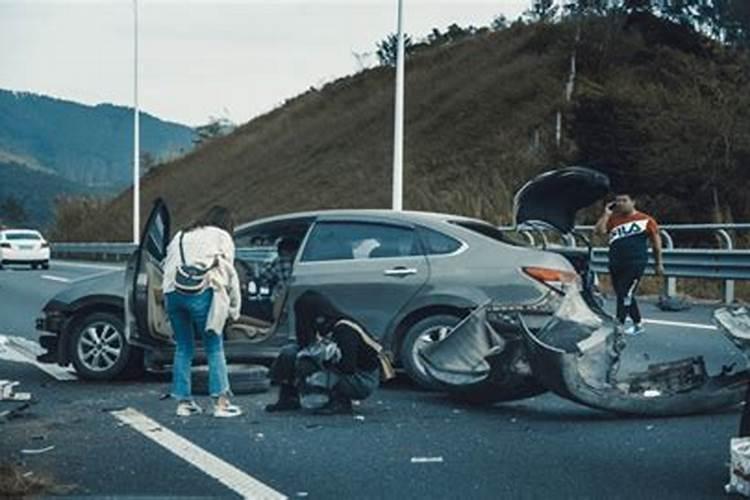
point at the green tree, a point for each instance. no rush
(216, 127)
(12, 212)
(387, 50)
(542, 11)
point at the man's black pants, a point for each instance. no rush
(625, 279)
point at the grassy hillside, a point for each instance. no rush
(658, 107)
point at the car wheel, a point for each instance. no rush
(99, 350)
(34, 267)
(1, 265)
(243, 379)
(424, 332)
(45, 265)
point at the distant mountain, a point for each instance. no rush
(88, 145)
(35, 191)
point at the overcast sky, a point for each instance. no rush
(201, 58)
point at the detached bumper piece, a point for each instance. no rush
(474, 354)
(584, 370)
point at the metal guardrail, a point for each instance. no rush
(111, 252)
(689, 263)
(726, 264)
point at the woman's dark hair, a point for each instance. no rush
(216, 216)
(314, 313)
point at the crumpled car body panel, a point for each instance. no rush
(577, 358)
(474, 355)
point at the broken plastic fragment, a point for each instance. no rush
(37, 451)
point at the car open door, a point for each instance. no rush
(146, 320)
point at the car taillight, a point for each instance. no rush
(556, 279)
(4, 245)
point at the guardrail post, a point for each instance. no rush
(671, 284)
(728, 284)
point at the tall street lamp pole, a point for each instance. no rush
(136, 135)
(398, 135)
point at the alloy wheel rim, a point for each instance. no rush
(100, 346)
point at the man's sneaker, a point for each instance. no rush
(188, 409)
(635, 330)
(226, 410)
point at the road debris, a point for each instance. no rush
(38, 451)
(427, 460)
(7, 393)
(361, 418)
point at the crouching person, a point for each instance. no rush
(333, 361)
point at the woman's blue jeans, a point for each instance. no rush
(188, 315)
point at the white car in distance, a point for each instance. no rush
(24, 247)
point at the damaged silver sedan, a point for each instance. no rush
(578, 352)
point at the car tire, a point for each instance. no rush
(34, 267)
(243, 379)
(45, 265)
(430, 329)
(103, 364)
(1, 265)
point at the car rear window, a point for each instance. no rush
(22, 236)
(437, 243)
(492, 232)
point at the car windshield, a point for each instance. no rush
(22, 236)
(509, 238)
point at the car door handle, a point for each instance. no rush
(400, 271)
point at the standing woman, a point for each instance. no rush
(205, 247)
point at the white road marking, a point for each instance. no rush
(22, 350)
(225, 473)
(88, 266)
(697, 326)
(51, 277)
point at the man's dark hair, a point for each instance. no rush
(216, 216)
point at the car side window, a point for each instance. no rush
(360, 240)
(437, 243)
(269, 234)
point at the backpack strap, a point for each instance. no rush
(182, 250)
(385, 362)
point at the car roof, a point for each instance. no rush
(17, 231)
(405, 215)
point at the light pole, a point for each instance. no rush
(398, 129)
(136, 135)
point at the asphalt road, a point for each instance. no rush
(402, 443)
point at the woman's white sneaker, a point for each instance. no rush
(188, 409)
(226, 410)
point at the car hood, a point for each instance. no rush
(554, 197)
(104, 284)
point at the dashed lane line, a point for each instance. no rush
(51, 277)
(695, 326)
(87, 265)
(226, 473)
(22, 350)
